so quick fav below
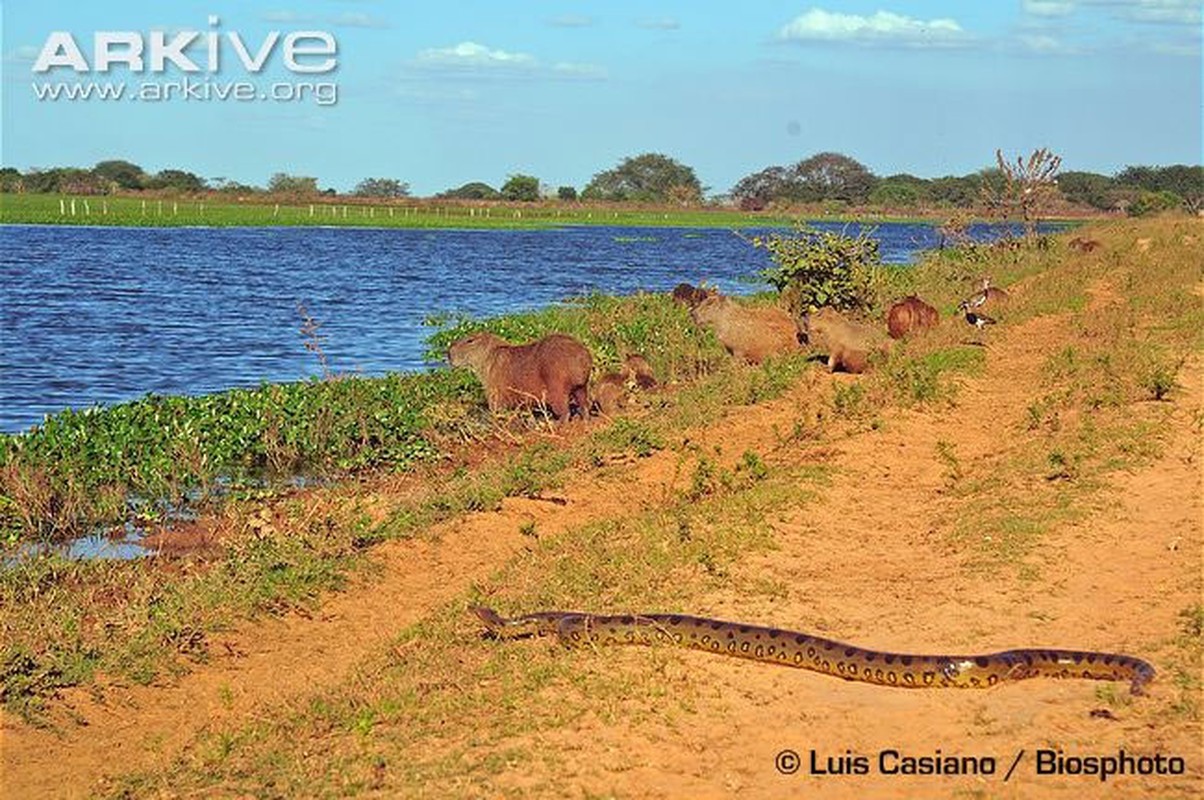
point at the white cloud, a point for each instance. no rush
(882, 27)
(1173, 12)
(1176, 12)
(470, 55)
(472, 58)
(1044, 44)
(358, 19)
(1048, 8)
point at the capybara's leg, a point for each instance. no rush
(832, 362)
(580, 399)
(558, 402)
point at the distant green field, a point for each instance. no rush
(50, 209)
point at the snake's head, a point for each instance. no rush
(491, 618)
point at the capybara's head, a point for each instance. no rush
(819, 322)
(710, 309)
(690, 296)
(472, 350)
(637, 369)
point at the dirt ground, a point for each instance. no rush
(867, 564)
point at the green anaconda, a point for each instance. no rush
(794, 649)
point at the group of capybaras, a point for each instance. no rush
(553, 373)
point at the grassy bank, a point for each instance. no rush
(65, 622)
(48, 209)
(83, 468)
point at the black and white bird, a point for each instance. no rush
(988, 295)
(979, 321)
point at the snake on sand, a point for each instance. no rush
(794, 649)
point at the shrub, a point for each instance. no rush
(815, 268)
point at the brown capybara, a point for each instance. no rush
(552, 372)
(689, 295)
(637, 371)
(1084, 245)
(611, 391)
(751, 334)
(849, 344)
(910, 314)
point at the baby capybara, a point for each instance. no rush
(752, 334)
(910, 314)
(552, 372)
(849, 344)
(610, 392)
(637, 371)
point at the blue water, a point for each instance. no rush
(101, 315)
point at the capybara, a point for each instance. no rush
(638, 371)
(610, 392)
(910, 314)
(689, 295)
(849, 344)
(552, 372)
(748, 333)
(1083, 245)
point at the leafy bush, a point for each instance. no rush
(1154, 202)
(815, 268)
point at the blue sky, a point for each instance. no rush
(439, 94)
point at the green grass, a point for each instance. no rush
(81, 468)
(45, 209)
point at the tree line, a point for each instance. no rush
(824, 178)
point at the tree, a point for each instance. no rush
(283, 183)
(11, 180)
(521, 187)
(953, 190)
(833, 176)
(646, 178)
(1154, 202)
(566, 193)
(900, 190)
(472, 191)
(1185, 181)
(124, 174)
(176, 179)
(755, 192)
(1087, 188)
(381, 187)
(1028, 185)
(72, 180)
